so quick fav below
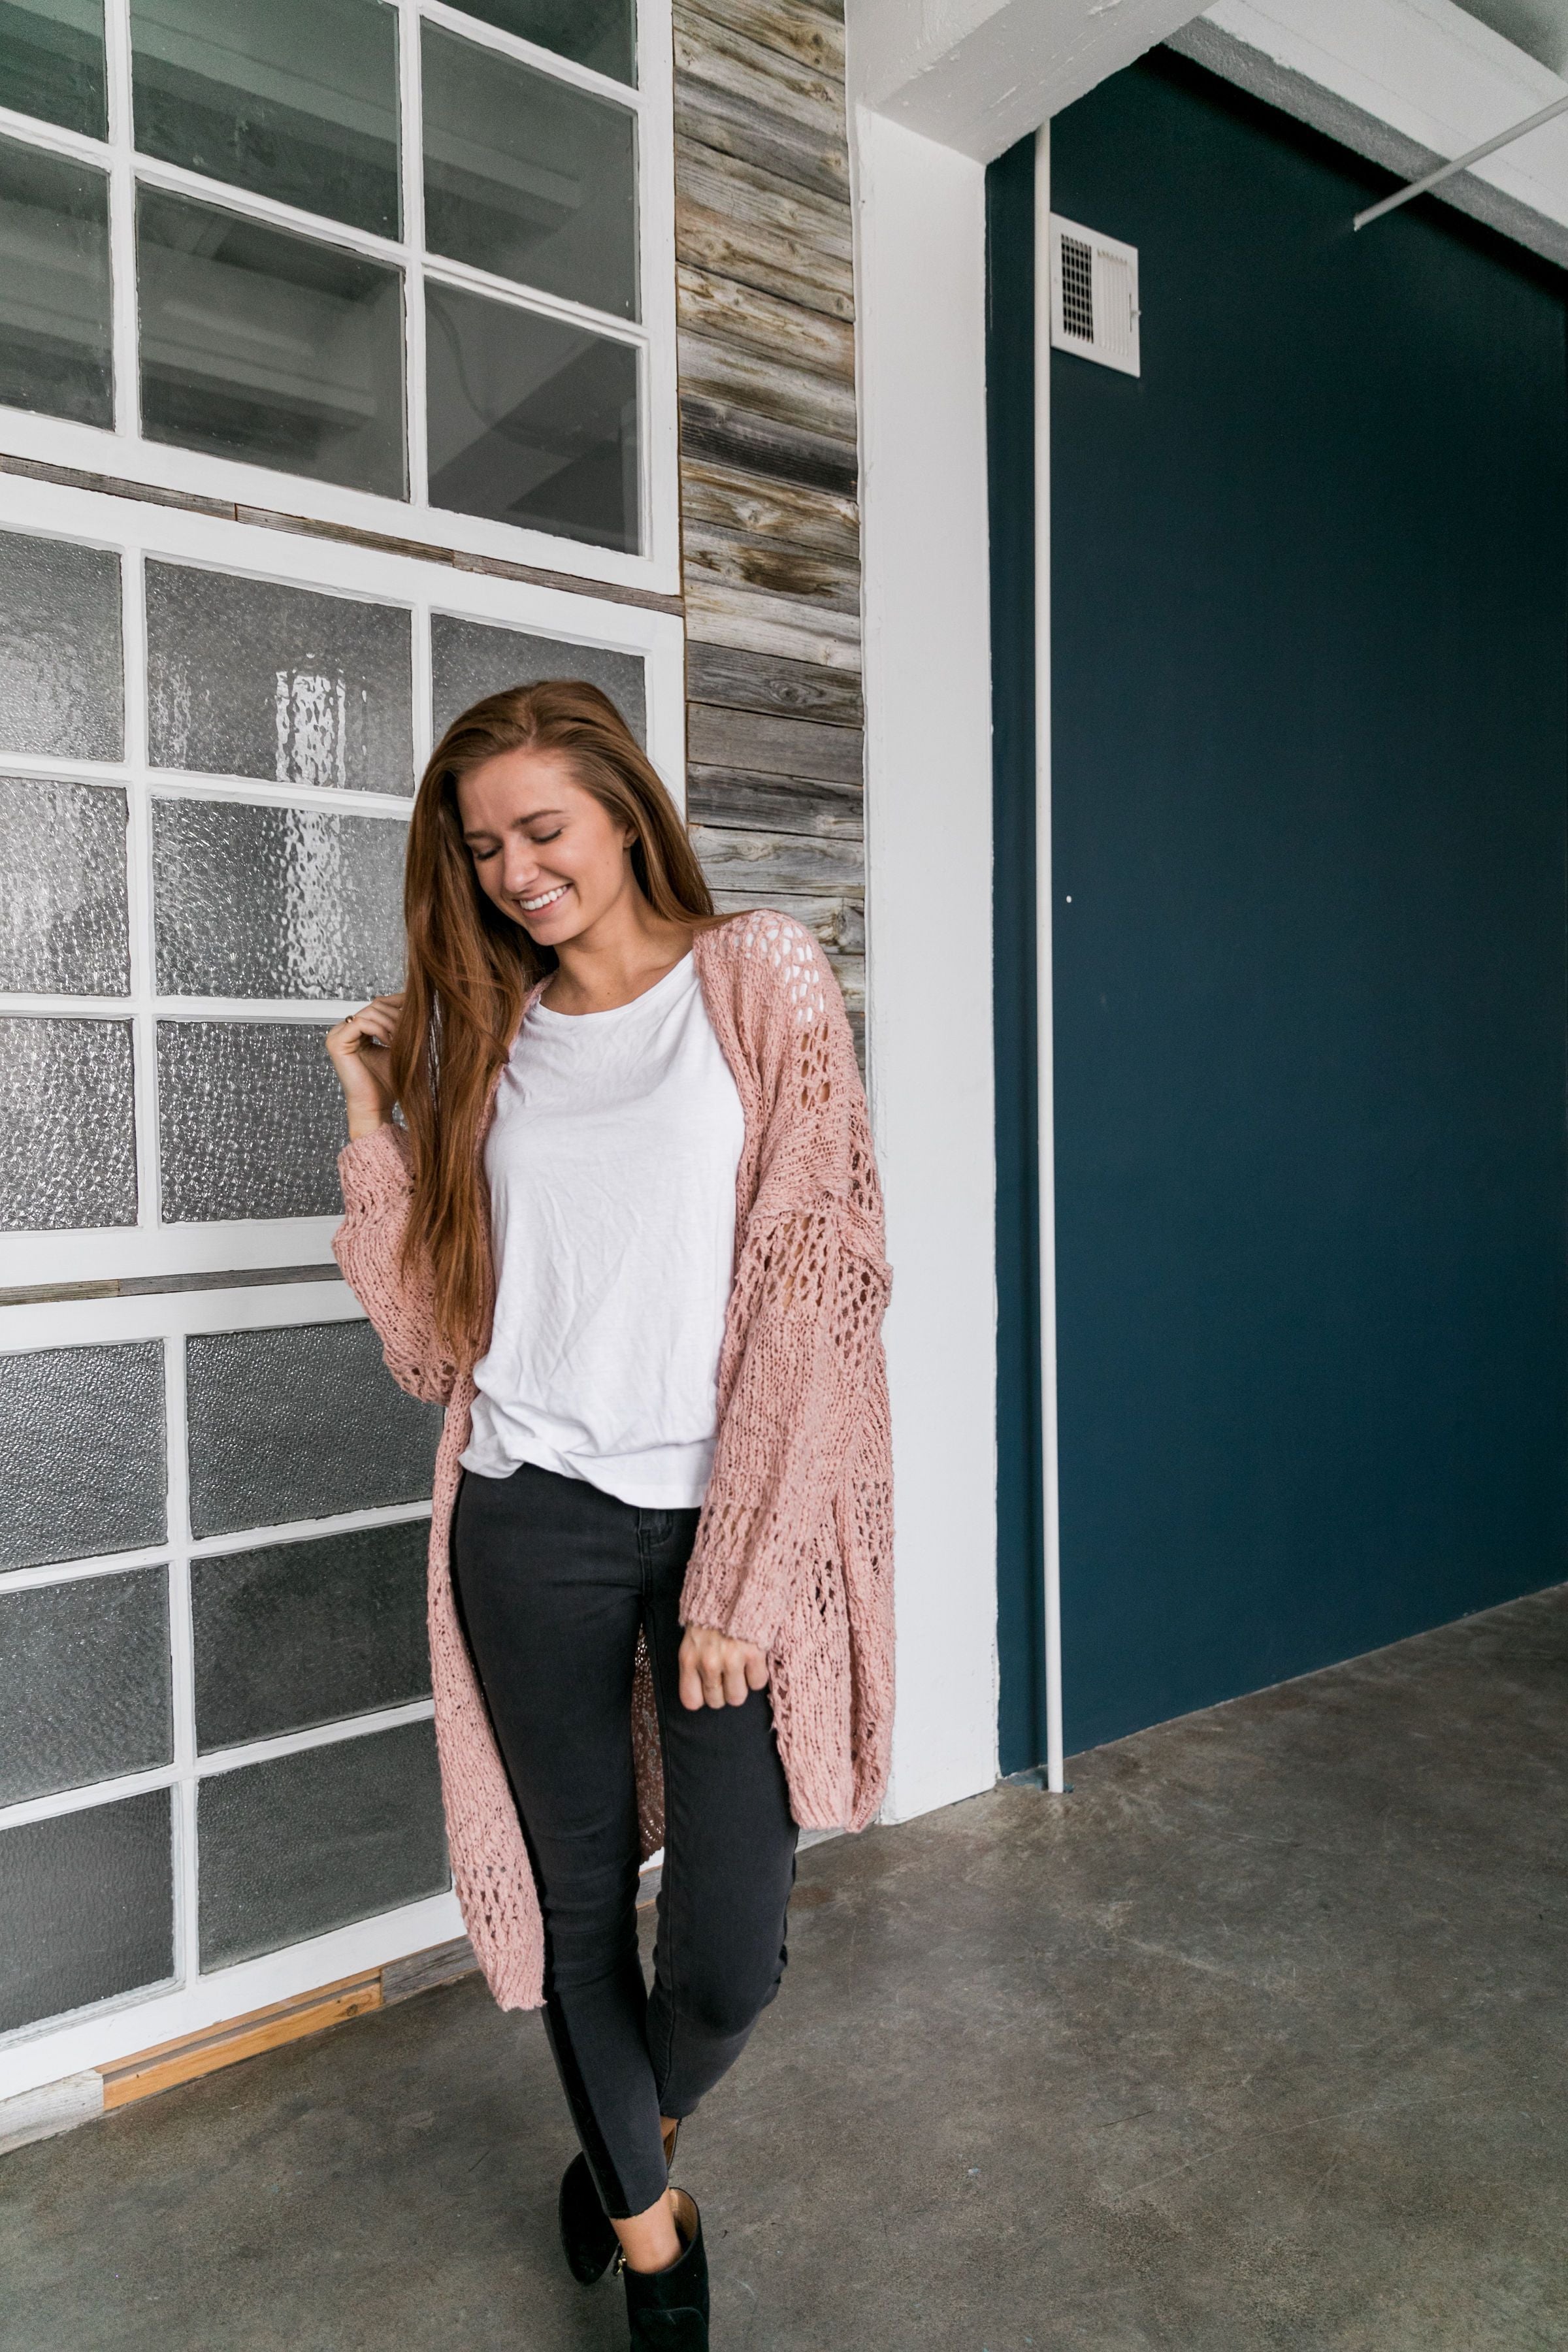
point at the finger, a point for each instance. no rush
(691, 1680)
(756, 1670)
(712, 1683)
(735, 1691)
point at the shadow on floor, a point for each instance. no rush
(1255, 2041)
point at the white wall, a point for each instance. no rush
(920, 234)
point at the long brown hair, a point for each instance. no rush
(470, 968)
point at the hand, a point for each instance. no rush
(360, 1049)
(716, 1671)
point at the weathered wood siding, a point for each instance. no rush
(770, 529)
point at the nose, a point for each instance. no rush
(520, 868)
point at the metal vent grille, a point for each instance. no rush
(1094, 296)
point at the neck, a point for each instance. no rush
(619, 958)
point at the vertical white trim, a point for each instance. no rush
(182, 1647)
(1044, 1039)
(121, 225)
(411, 160)
(921, 275)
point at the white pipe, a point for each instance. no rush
(1044, 1030)
(1461, 163)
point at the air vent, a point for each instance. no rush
(1094, 296)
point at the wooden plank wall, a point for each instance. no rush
(770, 529)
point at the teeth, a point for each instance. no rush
(533, 906)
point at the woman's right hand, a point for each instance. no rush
(360, 1051)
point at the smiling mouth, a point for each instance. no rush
(537, 906)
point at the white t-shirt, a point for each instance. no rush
(612, 1163)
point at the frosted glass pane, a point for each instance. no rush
(307, 1842)
(85, 1670)
(81, 1437)
(529, 178)
(250, 1120)
(260, 345)
(532, 421)
(308, 1632)
(599, 33)
(469, 660)
(246, 677)
(275, 902)
(68, 1132)
(59, 648)
(62, 906)
(51, 61)
(295, 99)
(89, 1909)
(301, 1424)
(55, 350)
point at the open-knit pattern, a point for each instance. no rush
(793, 1548)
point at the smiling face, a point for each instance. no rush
(546, 852)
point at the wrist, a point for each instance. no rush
(365, 1122)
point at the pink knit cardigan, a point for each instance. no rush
(794, 1549)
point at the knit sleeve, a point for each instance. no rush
(368, 1246)
(810, 1291)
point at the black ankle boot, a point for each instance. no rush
(588, 2237)
(668, 2310)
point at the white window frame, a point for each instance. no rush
(324, 566)
(123, 454)
(191, 2001)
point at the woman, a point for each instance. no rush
(627, 1229)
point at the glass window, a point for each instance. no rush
(308, 1632)
(259, 344)
(51, 62)
(68, 1125)
(250, 1120)
(469, 659)
(304, 1843)
(83, 1439)
(247, 677)
(60, 688)
(84, 1669)
(54, 341)
(295, 99)
(89, 1909)
(63, 928)
(598, 33)
(528, 177)
(532, 421)
(275, 901)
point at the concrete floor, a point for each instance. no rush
(1255, 2041)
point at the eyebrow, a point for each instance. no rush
(481, 833)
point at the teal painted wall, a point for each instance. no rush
(1311, 751)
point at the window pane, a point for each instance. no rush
(59, 648)
(304, 1843)
(274, 347)
(68, 1125)
(51, 61)
(247, 677)
(89, 1909)
(250, 1120)
(275, 902)
(62, 910)
(295, 99)
(301, 1423)
(598, 33)
(81, 1436)
(528, 177)
(55, 339)
(84, 1669)
(469, 659)
(532, 421)
(308, 1632)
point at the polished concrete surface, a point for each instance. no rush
(1255, 2041)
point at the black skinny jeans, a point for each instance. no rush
(553, 1579)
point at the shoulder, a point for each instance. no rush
(768, 957)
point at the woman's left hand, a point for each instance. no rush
(717, 1672)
